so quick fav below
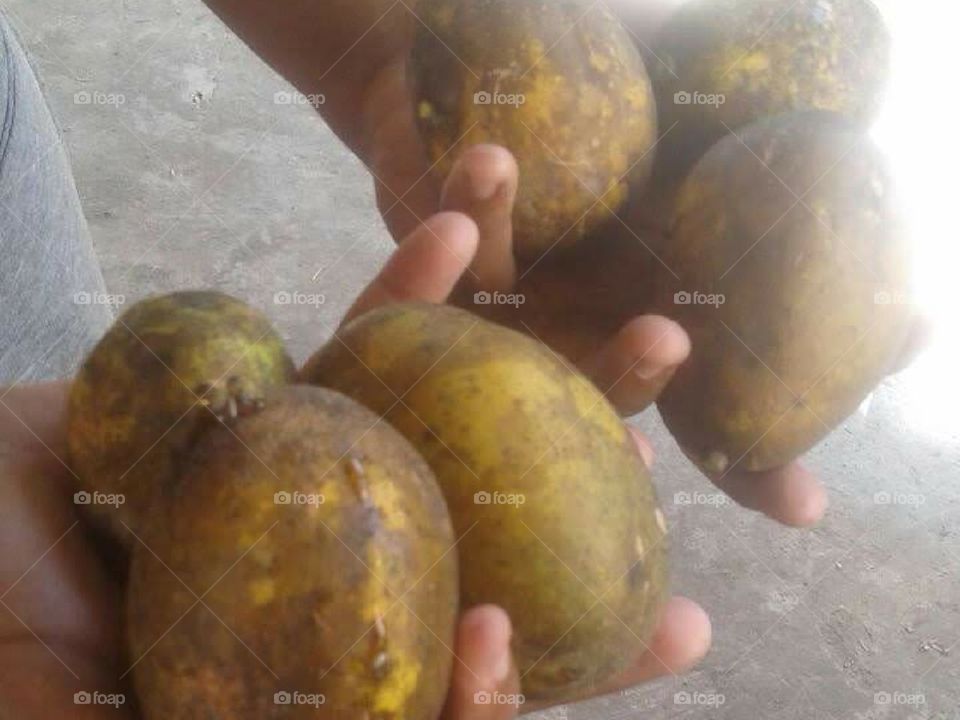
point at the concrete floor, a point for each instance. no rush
(200, 180)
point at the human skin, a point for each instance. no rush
(59, 602)
(354, 53)
(59, 620)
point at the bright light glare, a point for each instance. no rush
(918, 131)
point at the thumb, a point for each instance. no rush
(407, 190)
(485, 683)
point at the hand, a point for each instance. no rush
(426, 268)
(60, 602)
(585, 306)
(580, 306)
(577, 306)
(588, 308)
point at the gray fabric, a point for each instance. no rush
(52, 296)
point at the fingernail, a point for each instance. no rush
(497, 650)
(488, 636)
(651, 369)
(501, 668)
(483, 186)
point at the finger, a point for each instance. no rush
(33, 423)
(634, 367)
(427, 265)
(681, 641)
(791, 495)
(34, 415)
(643, 445)
(52, 581)
(407, 190)
(58, 630)
(483, 185)
(57, 681)
(484, 675)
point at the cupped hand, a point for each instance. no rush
(60, 597)
(588, 308)
(427, 268)
(591, 309)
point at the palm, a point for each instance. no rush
(588, 307)
(58, 623)
(60, 632)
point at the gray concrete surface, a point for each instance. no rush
(199, 179)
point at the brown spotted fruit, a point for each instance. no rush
(302, 566)
(560, 84)
(718, 65)
(556, 516)
(787, 264)
(168, 367)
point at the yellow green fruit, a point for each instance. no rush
(301, 567)
(788, 268)
(720, 64)
(560, 84)
(168, 367)
(554, 509)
